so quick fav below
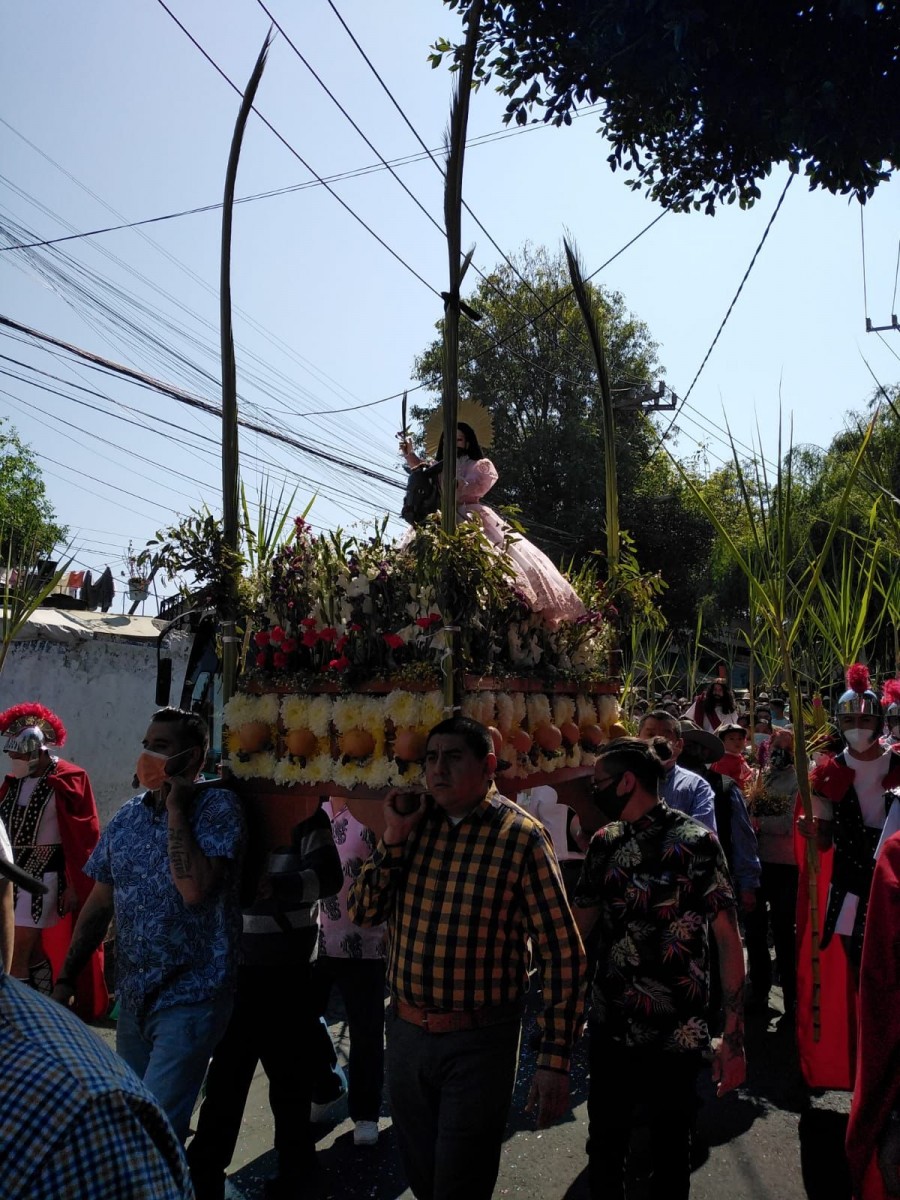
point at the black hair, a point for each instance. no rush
(708, 700)
(471, 448)
(661, 714)
(473, 733)
(194, 730)
(640, 758)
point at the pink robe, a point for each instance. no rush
(545, 589)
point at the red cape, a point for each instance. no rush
(830, 1061)
(878, 1060)
(79, 831)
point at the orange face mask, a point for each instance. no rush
(151, 770)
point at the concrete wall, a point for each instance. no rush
(104, 691)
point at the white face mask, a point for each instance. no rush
(859, 739)
(20, 768)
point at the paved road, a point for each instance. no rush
(770, 1140)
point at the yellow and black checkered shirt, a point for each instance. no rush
(461, 902)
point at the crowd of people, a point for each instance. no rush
(226, 952)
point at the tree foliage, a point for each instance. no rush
(700, 99)
(27, 518)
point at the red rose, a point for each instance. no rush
(328, 634)
(261, 660)
(423, 622)
(341, 643)
(354, 628)
(393, 640)
(339, 664)
(277, 636)
(435, 618)
(309, 622)
(310, 638)
(289, 645)
(261, 638)
(279, 661)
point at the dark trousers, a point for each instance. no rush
(450, 1095)
(632, 1086)
(776, 905)
(272, 1024)
(360, 982)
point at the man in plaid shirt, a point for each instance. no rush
(464, 881)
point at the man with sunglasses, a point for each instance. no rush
(656, 885)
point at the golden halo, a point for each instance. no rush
(471, 413)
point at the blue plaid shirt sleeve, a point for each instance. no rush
(116, 1146)
(75, 1122)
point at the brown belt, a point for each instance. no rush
(443, 1021)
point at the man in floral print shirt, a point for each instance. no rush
(654, 886)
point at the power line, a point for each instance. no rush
(343, 203)
(96, 362)
(756, 253)
(272, 193)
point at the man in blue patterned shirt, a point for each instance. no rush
(74, 1121)
(166, 867)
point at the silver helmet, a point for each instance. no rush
(29, 740)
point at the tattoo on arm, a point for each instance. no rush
(733, 1004)
(87, 937)
(180, 854)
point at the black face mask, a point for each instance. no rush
(606, 799)
(780, 758)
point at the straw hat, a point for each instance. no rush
(470, 412)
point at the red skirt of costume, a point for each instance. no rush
(79, 831)
(829, 1062)
(878, 1060)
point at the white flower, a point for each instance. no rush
(244, 708)
(358, 586)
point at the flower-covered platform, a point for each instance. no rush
(340, 683)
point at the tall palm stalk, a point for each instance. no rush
(230, 457)
(784, 607)
(593, 319)
(453, 180)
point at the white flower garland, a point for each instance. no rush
(324, 715)
(244, 708)
(257, 766)
(308, 712)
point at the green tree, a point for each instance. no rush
(27, 518)
(699, 98)
(538, 379)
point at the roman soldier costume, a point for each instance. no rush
(51, 817)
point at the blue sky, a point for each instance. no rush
(117, 97)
